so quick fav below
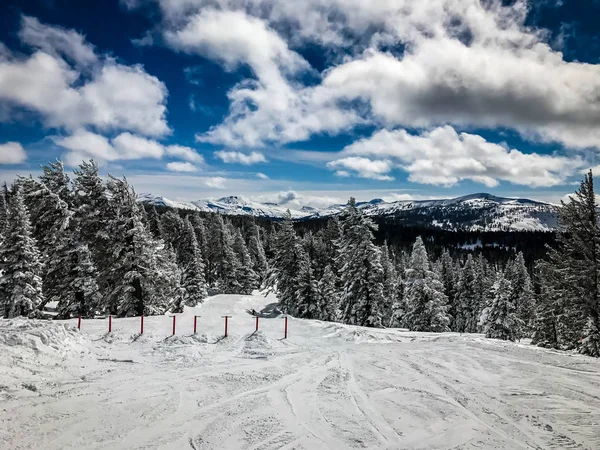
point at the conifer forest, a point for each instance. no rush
(88, 244)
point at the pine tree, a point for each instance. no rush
(575, 272)
(329, 299)
(154, 223)
(71, 278)
(20, 282)
(245, 275)
(522, 291)
(285, 267)
(500, 319)
(468, 302)
(448, 276)
(361, 272)
(257, 253)
(3, 216)
(193, 283)
(426, 302)
(136, 280)
(307, 293)
(390, 284)
(93, 214)
(545, 323)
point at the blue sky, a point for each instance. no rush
(395, 99)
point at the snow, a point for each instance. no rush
(327, 386)
(500, 213)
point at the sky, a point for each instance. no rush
(305, 102)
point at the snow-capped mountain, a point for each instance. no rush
(471, 212)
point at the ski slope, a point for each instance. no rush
(326, 386)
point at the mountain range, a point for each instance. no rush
(475, 212)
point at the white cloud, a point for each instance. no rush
(240, 158)
(215, 182)
(181, 167)
(145, 41)
(271, 108)
(83, 144)
(262, 176)
(444, 157)
(129, 146)
(12, 153)
(187, 153)
(93, 92)
(57, 41)
(468, 63)
(363, 167)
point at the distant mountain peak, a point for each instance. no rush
(479, 211)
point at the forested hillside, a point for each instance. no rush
(90, 246)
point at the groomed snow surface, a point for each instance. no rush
(326, 386)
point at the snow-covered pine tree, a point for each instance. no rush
(307, 293)
(3, 215)
(426, 303)
(193, 284)
(522, 291)
(500, 319)
(246, 277)
(329, 298)
(545, 330)
(467, 301)
(449, 278)
(172, 230)
(154, 223)
(222, 262)
(390, 284)
(49, 213)
(71, 278)
(361, 273)
(576, 263)
(201, 236)
(20, 261)
(257, 253)
(93, 215)
(136, 279)
(285, 266)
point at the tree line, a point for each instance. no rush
(90, 246)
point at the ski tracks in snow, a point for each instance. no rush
(328, 386)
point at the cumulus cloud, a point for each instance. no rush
(270, 108)
(240, 158)
(181, 167)
(186, 153)
(295, 200)
(262, 176)
(467, 63)
(215, 182)
(363, 167)
(57, 41)
(288, 196)
(83, 144)
(12, 153)
(70, 86)
(444, 157)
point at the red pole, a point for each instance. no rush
(195, 317)
(285, 331)
(79, 323)
(109, 324)
(174, 317)
(142, 325)
(256, 323)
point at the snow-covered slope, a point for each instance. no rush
(471, 212)
(328, 386)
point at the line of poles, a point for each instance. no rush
(285, 329)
